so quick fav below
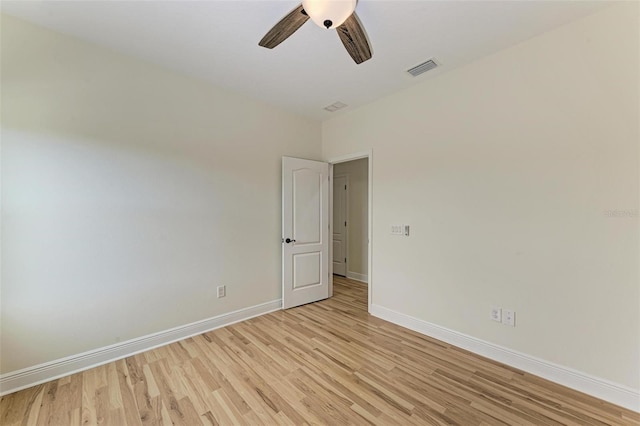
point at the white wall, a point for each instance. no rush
(505, 169)
(129, 193)
(357, 171)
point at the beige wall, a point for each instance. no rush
(129, 194)
(505, 169)
(357, 171)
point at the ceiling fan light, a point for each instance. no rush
(329, 13)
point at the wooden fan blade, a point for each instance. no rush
(283, 29)
(354, 39)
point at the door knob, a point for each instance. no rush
(289, 240)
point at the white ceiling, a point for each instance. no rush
(218, 41)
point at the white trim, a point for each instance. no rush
(330, 260)
(349, 157)
(615, 393)
(357, 276)
(31, 376)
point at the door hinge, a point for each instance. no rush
(345, 260)
(345, 223)
(345, 187)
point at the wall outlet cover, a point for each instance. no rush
(496, 313)
(222, 291)
(509, 318)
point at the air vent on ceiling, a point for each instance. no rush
(335, 106)
(423, 67)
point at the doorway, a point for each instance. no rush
(351, 220)
(307, 198)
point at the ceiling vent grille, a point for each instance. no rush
(423, 67)
(335, 106)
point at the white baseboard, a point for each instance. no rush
(31, 376)
(357, 276)
(600, 388)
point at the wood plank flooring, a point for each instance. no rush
(326, 363)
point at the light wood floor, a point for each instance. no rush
(323, 363)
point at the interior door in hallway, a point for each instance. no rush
(340, 224)
(305, 231)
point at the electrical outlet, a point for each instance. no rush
(509, 318)
(496, 313)
(222, 291)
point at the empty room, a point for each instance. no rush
(320, 213)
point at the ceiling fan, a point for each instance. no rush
(330, 14)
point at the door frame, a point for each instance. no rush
(343, 159)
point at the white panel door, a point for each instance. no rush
(305, 229)
(340, 225)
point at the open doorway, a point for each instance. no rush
(350, 230)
